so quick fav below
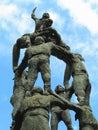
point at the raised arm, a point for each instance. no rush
(33, 14)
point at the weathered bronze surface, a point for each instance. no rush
(33, 105)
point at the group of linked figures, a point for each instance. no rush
(32, 105)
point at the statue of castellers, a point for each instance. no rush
(43, 28)
(34, 104)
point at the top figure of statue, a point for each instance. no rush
(42, 23)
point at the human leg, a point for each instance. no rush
(65, 115)
(79, 85)
(32, 74)
(87, 96)
(54, 121)
(45, 71)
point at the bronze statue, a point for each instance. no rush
(31, 106)
(37, 59)
(57, 113)
(80, 84)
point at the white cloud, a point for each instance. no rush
(24, 24)
(87, 48)
(93, 1)
(14, 17)
(7, 14)
(13, 21)
(7, 10)
(82, 13)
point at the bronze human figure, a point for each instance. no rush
(58, 114)
(80, 83)
(37, 59)
(18, 96)
(41, 23)
(84, 114)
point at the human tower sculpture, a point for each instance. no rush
(32, 104)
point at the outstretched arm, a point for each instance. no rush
(61, 53)
(21, 43)
(67, 104)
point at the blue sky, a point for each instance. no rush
(77, 23)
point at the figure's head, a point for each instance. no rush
(45, 15)
(39, 40)
(59, 89)
(37, 90)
